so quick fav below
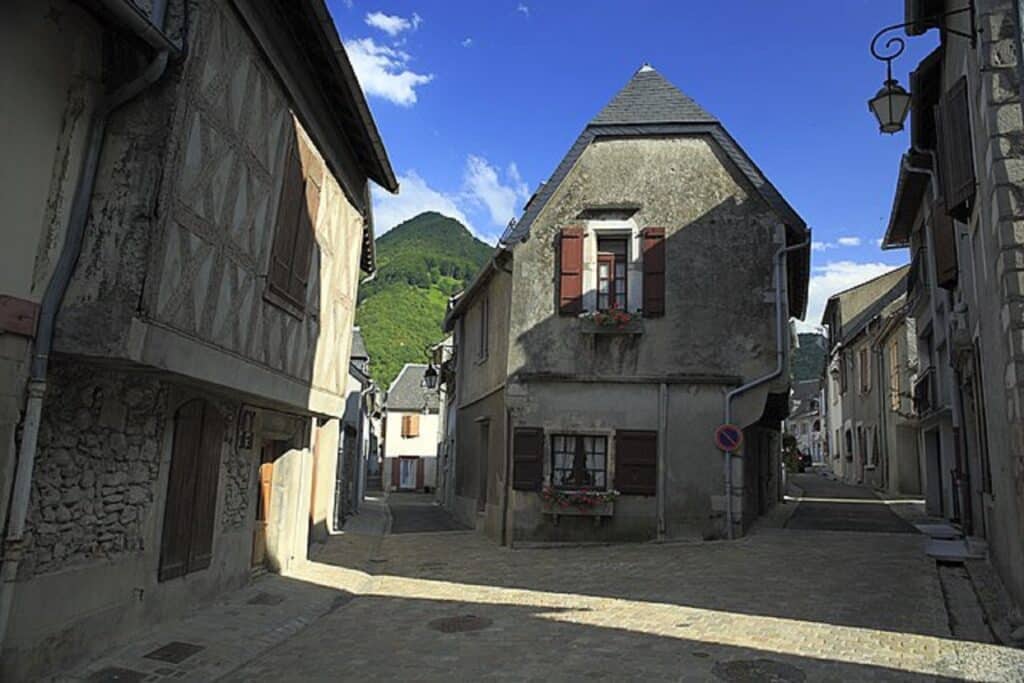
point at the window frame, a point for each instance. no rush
(578, 443)
(607, 228)
(616, 262)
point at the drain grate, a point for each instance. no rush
(174, 652)
(262, 598)
(460, 624)
(758, 671)
(114, 674)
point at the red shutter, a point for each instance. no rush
(570, 272)
(174, 542)
(955, 151)
(654, 272)
(944, 238)
(636, 462)
(207, 474)
(527, 459)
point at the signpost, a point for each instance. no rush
(728, 438)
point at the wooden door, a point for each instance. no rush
(266, 476)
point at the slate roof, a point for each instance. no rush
(650, 106)
(406, 393)
(859, 322)
(358, 345)
(649, 98)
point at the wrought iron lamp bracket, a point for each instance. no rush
(895, 45)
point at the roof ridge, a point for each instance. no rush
(649, 97)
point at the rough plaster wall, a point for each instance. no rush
(97, 467)
(238, 470)
(720, 315)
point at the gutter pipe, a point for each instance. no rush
(150, 32)
(780, 360)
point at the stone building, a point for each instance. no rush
(190, 219)
(806, 416)
(958, 210)
(859, 448)
(598, 351)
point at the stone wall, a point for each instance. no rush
(238, 468)
(96, 469)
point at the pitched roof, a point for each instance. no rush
(854, 326)
(407, 393)
(649, 98)
(650, 106)
(358, 345)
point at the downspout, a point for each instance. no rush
(505, 540)
(662, 445)
(780, 363)
(151, 32)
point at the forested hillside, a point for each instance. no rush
(420, 263)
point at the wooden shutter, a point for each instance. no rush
(570, 271)
(527, 459)
(396, 470)
(636, 462)
(206, 475)
(944, 253)
(177, 529)
(405, 425)
(414, 425)
(289, 209)
(955, 152)
(305, 237)
(419, 473)
(654, 272)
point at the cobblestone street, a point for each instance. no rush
(781, 605)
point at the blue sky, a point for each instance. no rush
(477, 102)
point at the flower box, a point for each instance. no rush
(613, 321)
(600, 510)
(582, 503)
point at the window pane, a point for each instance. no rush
(602, 301)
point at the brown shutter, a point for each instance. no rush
(570, 271)
(395, 472)
(419, 473)
(527, 459)
(304, 239)
(654, 272)
(174, 542)
(944, 238)
(414, 425)
(405, 425)
(636, 462)
(955, 151)
(288, 211)
(206, 474)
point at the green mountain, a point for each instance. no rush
(420, 263)
(809, 358)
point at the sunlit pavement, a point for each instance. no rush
(781, 605)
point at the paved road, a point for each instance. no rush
(417, 513)
(829, 505)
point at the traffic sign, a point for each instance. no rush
(729, 437)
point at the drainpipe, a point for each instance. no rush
(151, 32)
(505, 540)
(780, 363)
(662, 446)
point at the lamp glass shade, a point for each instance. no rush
(890, 106)
(430, 377)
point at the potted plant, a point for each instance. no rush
(612, 321)
(578, 502)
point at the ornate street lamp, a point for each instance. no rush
(430, 377)
(891, 104)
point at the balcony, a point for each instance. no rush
(924, 393)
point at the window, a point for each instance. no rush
(895, 400)
(864, 367)
(578, 461)
(482, 329)
(292, 248)
(612, 264)
(410, 426)
(186, 544)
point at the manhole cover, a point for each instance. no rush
(758, 671)
(174, 652)
(113, 674)
(262, 598)
(460, 624)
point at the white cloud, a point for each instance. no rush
(393, 24)
(523, 8)
(483, 186)
(820, 246)
(347, 3)
(841, 242)
(414, 197)
(835, 277)
(467, 42)
(383, 71)
(849, 241)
